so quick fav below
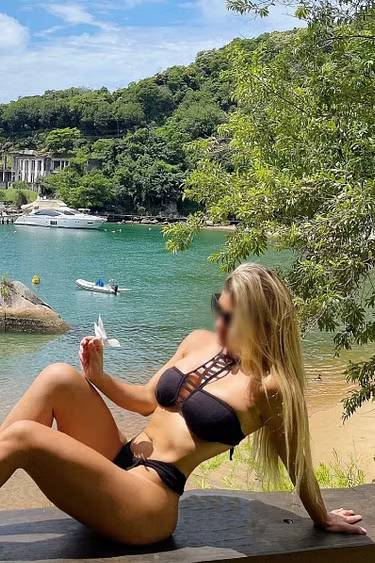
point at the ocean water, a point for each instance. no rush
(169, 296)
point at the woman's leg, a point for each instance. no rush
(61, 393)
(128, 506)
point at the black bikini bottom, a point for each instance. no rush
(168, 473)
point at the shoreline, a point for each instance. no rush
(150, 222)
(162, 223)
(219, 228)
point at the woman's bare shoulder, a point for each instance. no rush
(192, 342)
(199, 337)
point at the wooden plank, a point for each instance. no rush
(213, 526)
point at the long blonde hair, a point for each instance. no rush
(266, 331)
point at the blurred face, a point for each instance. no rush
(222, 306)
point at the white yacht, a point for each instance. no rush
(41, 214)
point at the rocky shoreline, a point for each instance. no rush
(159, 220)
(23, 311)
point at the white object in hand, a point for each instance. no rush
(101, 333)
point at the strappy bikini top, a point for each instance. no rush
(208, 417)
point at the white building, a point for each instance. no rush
(31, 167)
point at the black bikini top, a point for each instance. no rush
(208, 417)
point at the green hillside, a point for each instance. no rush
(135, 136)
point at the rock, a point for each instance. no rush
(23, 311)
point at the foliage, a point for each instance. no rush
(20, 185)
(20, 198)
(5, 286)
(363, 375)
(146, 170)
(242, 473)
(339, 475)
(299, 173)
(92, 190)
(10, 195)
(135, 135)
(182, 238)
(321, 11)
(62, 140)
(197, 116)
(101, 113)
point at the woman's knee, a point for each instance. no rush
(59, 375)
(24, 441)
(21, 435)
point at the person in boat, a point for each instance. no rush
(114, 286)
(245, 378)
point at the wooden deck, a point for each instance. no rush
(214, 526)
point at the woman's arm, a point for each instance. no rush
(135, 398)
(336, 521)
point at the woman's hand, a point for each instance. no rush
(343, 521)
(91, 358)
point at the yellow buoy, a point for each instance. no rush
(35, 280)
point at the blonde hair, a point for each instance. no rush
(266, 331)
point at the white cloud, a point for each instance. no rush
(111, 59)
(77, 14)
(213, 9)
(13, 35)
(134, 3)
(49, 31)
(115, 57)
(73, 14)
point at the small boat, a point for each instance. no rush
(100, 288)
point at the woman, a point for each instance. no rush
(245, 378)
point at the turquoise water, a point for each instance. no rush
(170, 296)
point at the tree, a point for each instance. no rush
(146, 124)
(157, 101)
(302, 169)
(63, 184)
(197, 116)
(148, 173)
(324, 12)
(20, 185)
(20, 198)
(62, 140)
(128, 115)
(92, 190)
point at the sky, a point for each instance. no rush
(52, 44)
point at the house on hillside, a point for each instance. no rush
(29, 166)
(6, 172)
